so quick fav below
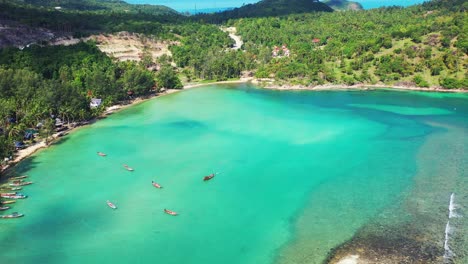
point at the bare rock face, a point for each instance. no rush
(342, 5)
(19, 35)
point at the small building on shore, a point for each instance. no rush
(95, 102)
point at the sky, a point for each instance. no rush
(190, 5)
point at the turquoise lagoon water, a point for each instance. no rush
(214, 5)
(300, 173)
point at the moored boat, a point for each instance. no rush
(14, 196)
(19, 177)
(209, 177)
(155, 184)
(170, 212)
(8, 202)
(111, 205)
(102, 154)
(3, 208)
(7, 194)
(19, 183)
(13, 215)
(128, 168)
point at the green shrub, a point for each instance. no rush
(420, 82)
(451, 83)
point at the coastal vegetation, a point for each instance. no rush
(204, 53)
(425, 45)
(40, 84)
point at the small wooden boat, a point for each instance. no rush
(7, 194)
(15, 196)
(19, 177)
(155, 184)
(16, 183)
(3, 208)
(209, 177)
(13, 215)
(111, 205)
(8, 202)
(102, 154)
(170, 212)
(128, 168)
(15, 188)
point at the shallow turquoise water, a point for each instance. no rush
(338, 158)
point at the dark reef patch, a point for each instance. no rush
(399, 244)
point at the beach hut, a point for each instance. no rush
(95, 102)
(11, 120)
(28, 136)
(58, 122)
(19, 145)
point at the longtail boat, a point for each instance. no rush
(209, 177)
(155, 184)
(111, 205)
(13, 215)
(15, 196)
(7, 194)
(102, 154)
(8, 202)
(3, 208)
(128, 168)
(16, 183)
(19, 177)
(169, 212)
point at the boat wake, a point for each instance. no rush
(452, 207)
(448, 253)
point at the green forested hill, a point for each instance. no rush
(425, 45)
(97, 5)
(80, 22)
(267, 8)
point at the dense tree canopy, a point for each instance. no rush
(381, 45)
(39, 83)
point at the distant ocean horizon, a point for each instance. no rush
(211, 6)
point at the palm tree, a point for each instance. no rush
(82, 114)
(13, 131)
(47, 129)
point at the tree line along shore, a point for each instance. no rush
(43, 86)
